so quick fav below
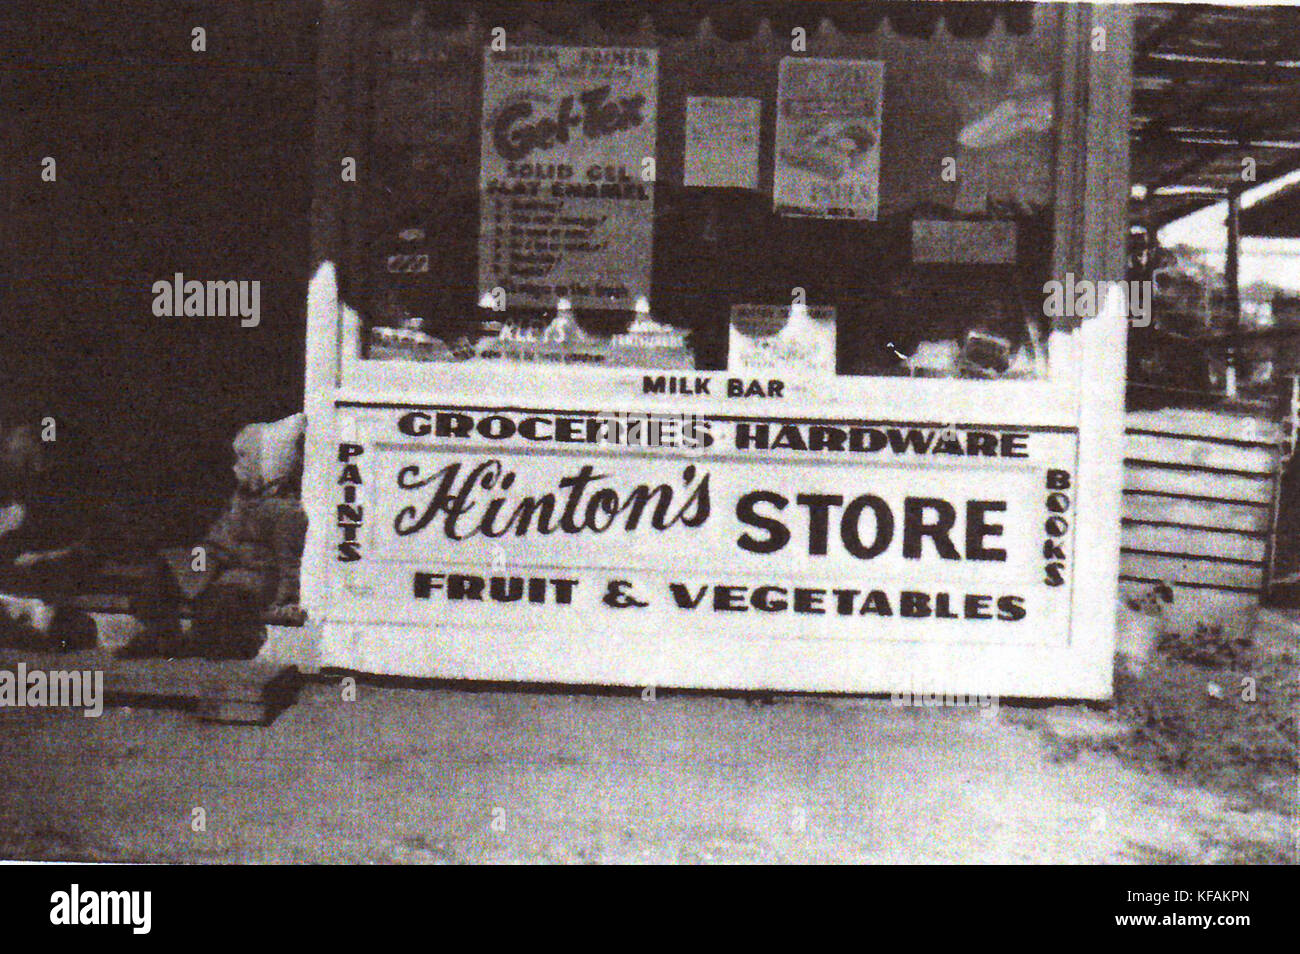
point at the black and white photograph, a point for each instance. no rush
(649, 432)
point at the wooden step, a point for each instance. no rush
(236, 691)
(119, 604)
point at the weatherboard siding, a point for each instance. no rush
(1199, 506)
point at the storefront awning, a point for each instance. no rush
(728, 19)
(1216, 104)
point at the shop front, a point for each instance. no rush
(719, 345)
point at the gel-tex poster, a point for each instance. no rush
(566, 175)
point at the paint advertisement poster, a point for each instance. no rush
(722, 141)
(828, 127)
(566, 175)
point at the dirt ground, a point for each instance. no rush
(428, 775)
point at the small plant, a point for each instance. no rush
(1208, 646)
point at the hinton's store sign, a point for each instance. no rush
(785, 525)
(663, 522)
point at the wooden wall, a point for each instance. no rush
(1200, 502)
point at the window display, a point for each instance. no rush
(620, 206)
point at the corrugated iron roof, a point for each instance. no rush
(1214, 86)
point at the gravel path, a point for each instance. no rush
(423, 775)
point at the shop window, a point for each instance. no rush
(877, 204)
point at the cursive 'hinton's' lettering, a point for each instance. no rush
(477, 502)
